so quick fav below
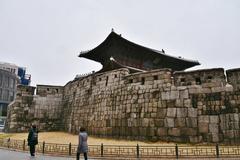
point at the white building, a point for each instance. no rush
(9, 67)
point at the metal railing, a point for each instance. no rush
(177, 151)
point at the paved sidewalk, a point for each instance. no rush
(14, 155)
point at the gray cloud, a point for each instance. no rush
(47, 35)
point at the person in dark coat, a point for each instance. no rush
(32, 139)
(82, 143)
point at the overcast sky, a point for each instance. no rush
(46, 36)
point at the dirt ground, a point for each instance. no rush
(66, 138)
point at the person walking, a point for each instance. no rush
(32, 139)
(82, 144)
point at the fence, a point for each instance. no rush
(128, 151)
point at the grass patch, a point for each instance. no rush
(66, 138)
(5, 135)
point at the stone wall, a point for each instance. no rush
(44, 110)
(233, 76)
(196, 106)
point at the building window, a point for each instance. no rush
(209, 77)
(6, 81)
(0, 93)
(106, 81)
(182, 80)
(5, 95)
(11, 96)
(155, 77)
(142, 81)
(130, 80)
(198, 81)
(115, 76)
(74, 95)
(14, 83)
(94, 81)
(0, 80)
(11, 83)
(4, 110)
(25, 112)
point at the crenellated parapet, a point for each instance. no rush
(43, 109)
(205, 77)
(233, 77)
(44, 90)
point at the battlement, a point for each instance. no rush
(205, 77)
(214, 77)
(148, 78)
(23, 90)
(44, 90)
(233, 77)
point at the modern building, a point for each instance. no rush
(8, 87)
(25, 79)
(9, 67)
(10, 76)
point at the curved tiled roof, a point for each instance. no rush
(113, 42)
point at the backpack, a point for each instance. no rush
(34, 136)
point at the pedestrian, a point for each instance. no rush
(32, 139)
(82, 143)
